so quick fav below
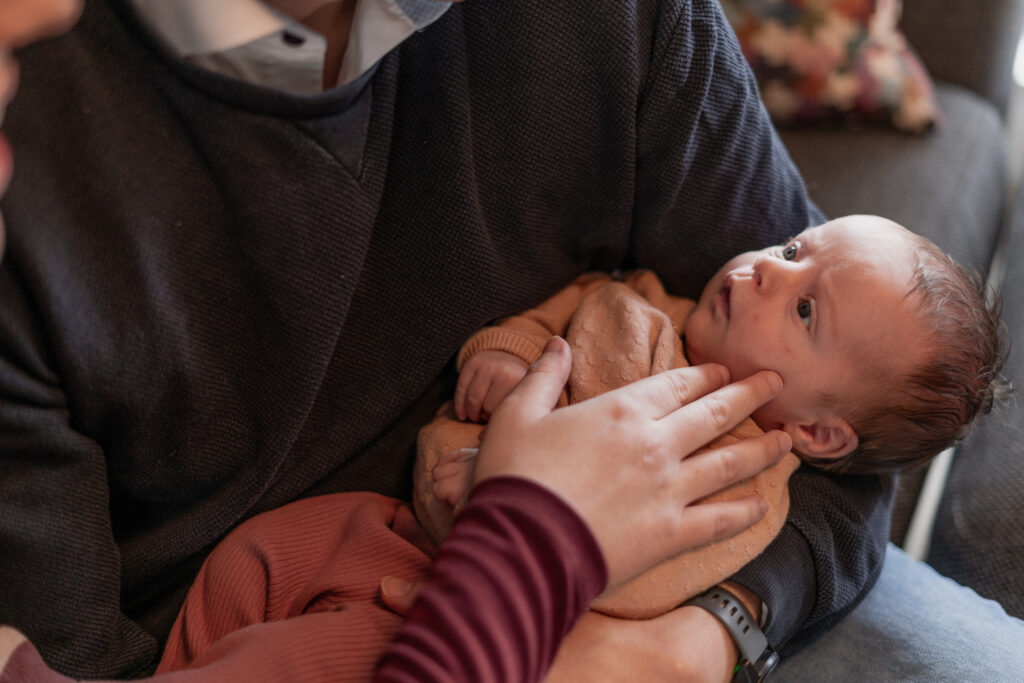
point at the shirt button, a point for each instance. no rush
(292, 39)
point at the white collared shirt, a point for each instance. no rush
(254, 42)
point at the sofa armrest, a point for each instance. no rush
(968, 42)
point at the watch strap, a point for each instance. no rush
(757, 658)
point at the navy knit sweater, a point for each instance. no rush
(217, 298)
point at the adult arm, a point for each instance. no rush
(517, 571)
(713, 179)
(641, 496)
(54, 508)
(55, 528)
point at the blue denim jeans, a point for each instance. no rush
(915, 625)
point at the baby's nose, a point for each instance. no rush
(770, 273)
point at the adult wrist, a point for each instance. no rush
(750, 600)
(757, 658)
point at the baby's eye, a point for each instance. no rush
(789, 252)
(805, 309)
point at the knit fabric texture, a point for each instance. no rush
(218, 298)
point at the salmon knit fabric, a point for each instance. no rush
(301, 582)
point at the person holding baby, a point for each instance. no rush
(243, 244)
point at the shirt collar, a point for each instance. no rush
(198, 28)
(193, 27)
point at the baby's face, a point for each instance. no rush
(817, 310)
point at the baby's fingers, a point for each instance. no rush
(457, 456)
(475, 394)
(465, 379)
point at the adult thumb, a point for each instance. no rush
(539, 390)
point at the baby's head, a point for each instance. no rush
(886, 347)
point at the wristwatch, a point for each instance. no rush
(757, 658)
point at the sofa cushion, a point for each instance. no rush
(968, 43)
(979, 530)
(833, 60)
(948, 185)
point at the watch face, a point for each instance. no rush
(768, 665)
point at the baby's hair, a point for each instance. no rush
(909, 420)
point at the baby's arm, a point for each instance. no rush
(494, 359)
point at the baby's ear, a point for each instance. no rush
(829, 438)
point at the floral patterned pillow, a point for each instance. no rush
(829, 60)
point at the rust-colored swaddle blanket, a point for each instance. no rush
(619, 332)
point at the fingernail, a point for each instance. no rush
(394, 587)
(785, 442)
(553, 345)
(775, 381)
(763, 506)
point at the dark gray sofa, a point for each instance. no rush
(953, 186)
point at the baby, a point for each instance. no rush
(886, 349)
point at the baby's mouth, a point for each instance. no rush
(722, 298)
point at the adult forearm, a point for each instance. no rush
(517, 571)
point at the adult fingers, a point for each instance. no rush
(22, 21)
(707, 523)
(713, 470)
(537, 393)
(701, 421)
(660, 395)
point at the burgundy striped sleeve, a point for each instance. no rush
(514, 576)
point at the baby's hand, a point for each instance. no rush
(486, 379)
(453, 477)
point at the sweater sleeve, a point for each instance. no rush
(516, 573)
(524, 335)
(56, 536)
(834, 541)
(713, 180)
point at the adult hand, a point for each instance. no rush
(21, 22)
(681, 645)
(623, 460)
